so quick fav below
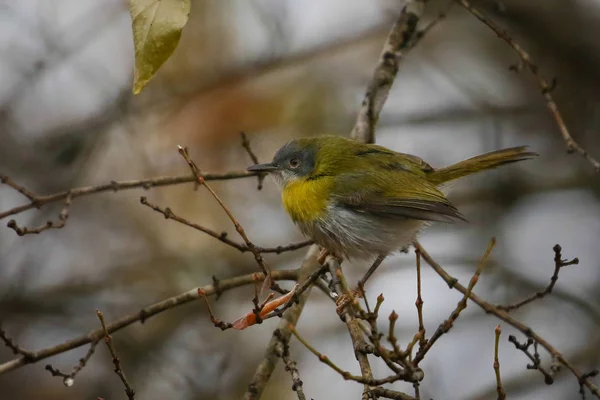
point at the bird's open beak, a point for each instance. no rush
(267, 167)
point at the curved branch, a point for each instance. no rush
(572, 145)
(113, 186)
(142, 315)
(504, 316)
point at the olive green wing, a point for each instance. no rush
(394, 195)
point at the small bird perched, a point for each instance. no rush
(364, 200)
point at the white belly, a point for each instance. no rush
(359, 235)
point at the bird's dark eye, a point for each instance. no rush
(294, 163)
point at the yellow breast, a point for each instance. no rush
(305, 199)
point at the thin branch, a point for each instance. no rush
(558, 264)
(440, 17)
(21, 189)
(419, 304)
(535, 357)
(283, 332)
(69, 379)
(356, 335)
(572, 145)
(310, 280)
(391, 394)
(397, 42)
(462, 304)
(118, 370)
(504, 316)
(592, 374)
(62, 218)
(283, 351)
(115, 186)
(371, 271)
(16, 349)
(238, 227)
(401, 376)
(246, 146)
(169, 214)
(499, 388)
(142, 315)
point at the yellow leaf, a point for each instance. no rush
(157, 26)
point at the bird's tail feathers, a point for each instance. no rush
(479, 163)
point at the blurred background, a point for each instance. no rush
(276, 70)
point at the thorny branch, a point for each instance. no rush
(572, 145)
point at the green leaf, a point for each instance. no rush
(157, 26)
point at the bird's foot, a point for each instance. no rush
(325, 253)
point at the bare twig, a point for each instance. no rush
(535, 357)
(558, 264)
(504, 316)
(283, 332)
(169, 214)
(283, 351)
(439, 18)
(21, 189)
(462, 304)
(246, 146)
(118, 370)
(584, 377)
(391, 394)
(312, 278)
(115, 186)
(62, 218)
(259, 260)
(397, 42)
(69, 379)
(356, 335)
(572, 145)
(142, 315)
(499, 388)
(419, 303)
(401, 376)
(371, 271)
(16, 349)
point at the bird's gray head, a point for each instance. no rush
(292, 161)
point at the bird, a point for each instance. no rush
(359, 200)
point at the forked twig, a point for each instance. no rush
(558, 264)
(246, 146)
(259, 260)
(504, 316)
(572, 145)
(223, 237)
(62, 218)
(462, 304)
